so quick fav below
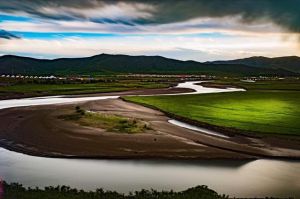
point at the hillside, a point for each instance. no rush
(291, 63)
(116, 64)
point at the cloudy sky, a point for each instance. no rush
(183, 29)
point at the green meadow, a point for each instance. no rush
(262, 109)
(279, 85)
(42, 89)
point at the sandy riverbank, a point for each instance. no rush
(37, 131)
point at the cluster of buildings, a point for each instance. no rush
(51, 77)
(28, 77)
(168, 76)
(260, 78)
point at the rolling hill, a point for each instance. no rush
(122, 64)
(291, 63)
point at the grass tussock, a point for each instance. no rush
(110, 122)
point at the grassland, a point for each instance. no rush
(263, 85)
(109, 122)
(57, 88)
(267, 107)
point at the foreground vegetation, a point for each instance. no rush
(14, 190)
(109, 122)
(265, 108)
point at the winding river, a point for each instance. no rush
(257, 178)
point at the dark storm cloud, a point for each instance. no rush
(285, 13)
(7, 35)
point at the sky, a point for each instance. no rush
(201, 30)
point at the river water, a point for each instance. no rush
(196, 128)
(257, 178)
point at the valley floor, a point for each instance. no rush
(37, 130)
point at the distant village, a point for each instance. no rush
(182, 77)
(86, 77)
(28, 77)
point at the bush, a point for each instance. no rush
(79, 110)
(14, 190)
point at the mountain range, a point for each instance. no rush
(291, 63)
(124, 64)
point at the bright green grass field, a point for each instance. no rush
(268, 112)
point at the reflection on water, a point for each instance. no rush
(48, 101)
(196, 128)
(201, 90)
(237, 178)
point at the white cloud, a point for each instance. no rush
(118, 11)
(172, 35)
(185, 48)
(226, 25)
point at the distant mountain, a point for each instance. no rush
(122, 64)
(291, 63)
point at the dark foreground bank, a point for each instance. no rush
(14, 190)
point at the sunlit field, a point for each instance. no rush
(267, 112)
